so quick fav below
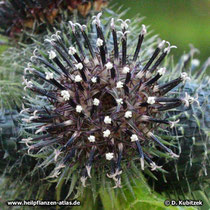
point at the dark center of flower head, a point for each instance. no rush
(103, 104)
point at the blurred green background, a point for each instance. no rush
(179, 21)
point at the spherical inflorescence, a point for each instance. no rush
(103, 103)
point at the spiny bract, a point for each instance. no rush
(103, 104)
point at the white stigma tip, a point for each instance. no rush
(124, 24)
(83, 180)
(99, 42)
(65, 94)
(109, 65)
(134, 137)
(162, 71)
(78, 78)
(112, 23)
(142, 163)
(91, 138)
(96, 19)
(109, 156)
(128, 114)
(96, 102)
(79, 66)
(72, 51)
(173, 155)
(151, 100)
(140, 75)
(48, 75)
(167, 49)
(119, 101)
(52, 54)
(185, 57)
(144, 118)
(154, 166)
(120, 84)
(106, 133)
(184, 76)
(161, 44)
(125, 70)
(79, 108)
(144, 30)
(86, 61)
(195, 62)
(107, 120)
(172, 124)
(94, 79)
(187, 100)
(156, 88)
(148, 74)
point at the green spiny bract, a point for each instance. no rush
(16, 16)
(190, 172)
(97, 103)
(9, 130)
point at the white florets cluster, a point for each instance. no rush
(107, 120)
(119, 101)
(92, 138)
(119, 84)
(162, 71)
(125, 70)
(72, 51)
(151, 100)
(93, 79)
(134, 137)
(109, 156)
(128, 114)
(99, 42)
(49, 75)
(78, 78)
(65, 94)
(106, 133)
(79, 108)
(96, 102)
(79, 66)
(52, 54)
(109, 65)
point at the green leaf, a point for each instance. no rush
(60, 182)
(73, 183)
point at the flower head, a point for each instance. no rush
(113, 99)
